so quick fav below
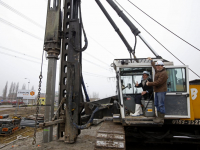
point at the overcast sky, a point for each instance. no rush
(21, 48)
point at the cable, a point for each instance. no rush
(20, 14)
(32, 56)
(87, 73)
(81, 22)
(18, 28)
(102, 46)
(88, 124)
(35, 57)
(96, 58)
(42, 63)
(94, 74)
(164, 27)
(95, 64)
(19, 52)
(111, 85)
(20, 57)
(157, 40)
(135, 45)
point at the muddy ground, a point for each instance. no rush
(85, 140)
(22, 111)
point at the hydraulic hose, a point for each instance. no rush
(88, 124)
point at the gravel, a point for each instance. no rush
(86, 140)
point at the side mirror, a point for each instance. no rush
(129, 85)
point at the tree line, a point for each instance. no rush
(12, 93)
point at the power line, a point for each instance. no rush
(102, 46)
(165, 27)
(27, 18)
(95, 64)
(95, 75)
(95, 58)
(16, 27)
(20, 58)
(7, 49)
(8, 23)
(20, 14)
(157, 40)
(88, 73)
(38, 58)
(20, 29)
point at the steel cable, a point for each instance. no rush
(157, 40)
(20, 29)
(165, 27)
(20, 14)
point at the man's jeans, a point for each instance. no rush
(159, 101)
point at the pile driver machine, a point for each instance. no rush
(63, 37)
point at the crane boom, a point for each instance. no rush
(134, 30)
(130, 50)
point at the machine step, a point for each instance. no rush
(110, 136)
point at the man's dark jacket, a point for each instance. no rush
(146, 88)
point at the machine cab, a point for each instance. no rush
(177, 103)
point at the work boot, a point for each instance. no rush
(160, 118)
(157, 119)
(137, 110)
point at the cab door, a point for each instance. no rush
(177, 102)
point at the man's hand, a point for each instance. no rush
(136, 84)
(147, 82)
(149, 58)
(144, 92)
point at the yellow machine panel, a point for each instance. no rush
(195, 100)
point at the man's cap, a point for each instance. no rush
(146, 72)
(159, 63)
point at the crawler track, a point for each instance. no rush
(110, 136)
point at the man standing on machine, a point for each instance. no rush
(160, 89)
(147, 91)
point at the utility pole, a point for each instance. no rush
(52, 44)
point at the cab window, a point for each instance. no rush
(131, 76)
(176, 81)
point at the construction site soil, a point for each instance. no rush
(85, 141)
(22, 111)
